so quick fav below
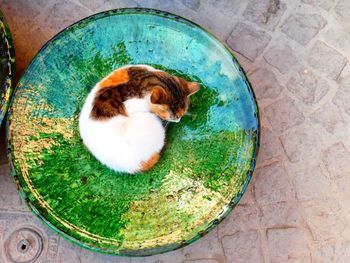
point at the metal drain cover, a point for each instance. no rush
(23, 246)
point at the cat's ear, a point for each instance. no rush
(192, 88)
(158, 96)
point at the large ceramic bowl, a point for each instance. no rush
(205, 168)
(7, 66)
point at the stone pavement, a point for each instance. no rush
(296, 54)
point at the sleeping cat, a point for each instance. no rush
(120, 120)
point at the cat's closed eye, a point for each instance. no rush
(170, 99)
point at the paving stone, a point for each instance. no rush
(25, 12)
(326, 59)
(263, 119)
(218, 16)
(67, 252)
(248, 41)
(337, 161)
(272, 185)
(287, 243)
(342, 100)
(9, 197)
(334, 252)
(158, 4)
(226, 8)
(284, 114)
(98, 6)
(208, 247)
(338, 36)
(329, 118)
(343, 9)
(265, 84)
(37, 4)
(265, 13)
(280, 215)
(41, 3)
(326, 219)
(303, 27)
(301, 259)
(248, 196)
(242, 218)
(302, 144)
(325, 4)
(3, 157)
(201, 261)
(63, 14)
(94, 5)
(281, 57)
(270, 146)
(193, 4)
(307, 87)
(311, 182)
(345, 84)
(21, 43)
(243, 247)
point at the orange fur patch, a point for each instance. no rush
(145, 166)
(120, 76)
(162, 111)
(181, 112)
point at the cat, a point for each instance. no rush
(120, 122)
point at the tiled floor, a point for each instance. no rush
(296, 53)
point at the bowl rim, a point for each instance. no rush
(167, 248)
(10, 50)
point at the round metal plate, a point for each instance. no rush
(23, 246)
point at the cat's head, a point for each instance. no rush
(169, 98)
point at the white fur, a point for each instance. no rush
(123, 142)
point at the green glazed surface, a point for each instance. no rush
(203, 172)
(7, 66)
